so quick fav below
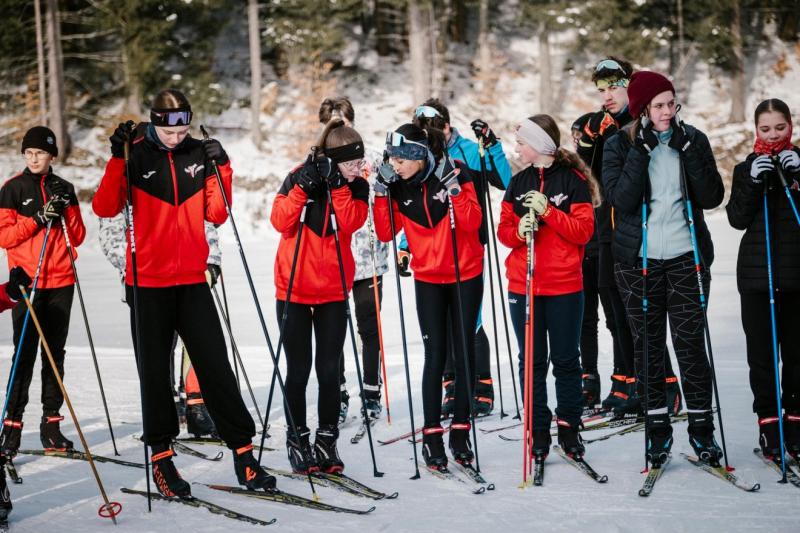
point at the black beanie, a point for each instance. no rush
(413, 132)
(42, 138)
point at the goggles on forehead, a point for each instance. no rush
(167, 117)
(611, 82)
(609, 64)
(396, 139)
(427, 112)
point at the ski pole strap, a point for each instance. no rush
(463, 427)
(432, 431)
(244, 449)
(12, 423)
(162, 455)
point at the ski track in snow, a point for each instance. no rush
(62, 493)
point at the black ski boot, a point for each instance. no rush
(674, 399)
(198, 421)
(484, 396)
(659, 438)
(769, 437)
(591, 390)
(449, 401)
(301, 457)
(618, 393)
(372, 403)
(701, 437)
(344, 404)
(5, 496)
(325, 449)
(791, 434)
(249, 473)
(11, 437)
(433, 448)
(50, 433)
(166, 477)
(569, 438)
(460, 446)
(632, 404)
(541, 443)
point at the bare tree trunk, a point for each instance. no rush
(58, 121)
(40, 62)
(418, 48)
(484, 56)
(681, 51)
(738, 81)
(545, 74)
(255, 72)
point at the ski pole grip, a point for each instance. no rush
(779, 170)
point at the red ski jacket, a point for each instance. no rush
(20, 198)
(317, 279)
(422, 211)
(564, 230)
(174, 192)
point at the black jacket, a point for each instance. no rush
(746, 212)
(626, 182)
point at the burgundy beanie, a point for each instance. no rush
(643, 87)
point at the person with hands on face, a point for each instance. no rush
(753, 178)
(317, 308)
(662, 162)
(32, 205)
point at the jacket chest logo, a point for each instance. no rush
(441, 196)
(146, 175)
(407, 202)
(558, 199)
(193, 169)
(26, 202)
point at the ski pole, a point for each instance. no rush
(237, 358)
(500, 291)
(377, 297)
(646, 347)
(108, 509)
(527, 447)
(467, 371)
(335, 227)
(136, 319)
(785, 186)
(393, 229)
(704, 309)
(20, 342)
(254, 294)
(775, 349)
(71, 255)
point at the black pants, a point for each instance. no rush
(757, 323)
(189, 311)
(437, 304)
(329, 323)
(557, 323)
(52, 307)
(367, 324)
(673, 294)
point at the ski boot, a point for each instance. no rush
(618, 393)
(701, 437)
(344, 404)
(249, 473)
(791, 433)
(50, 433)
(433, 448)
(484, 396)
(591, 390)
(460, 446)
(372, 403)
(769, 437)
(5, 496)
(674, 399)
(166, 477)
(449, 401)
(541, 443)
(659, 438)
(325, 449)
(299, 449)
(198, 421)
(569, 438)
(11, 437)
(632, 404)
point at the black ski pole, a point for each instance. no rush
(345, 294)
(787, 190)
(253, 292)
(237, 358)
(136, 320)
(403, 334)
(88, 331)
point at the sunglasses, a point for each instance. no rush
(171, 118)
(398, 139)
(427, 112)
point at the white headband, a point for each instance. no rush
(538, 139)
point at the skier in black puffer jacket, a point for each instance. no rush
(661, 161)
(773, 149)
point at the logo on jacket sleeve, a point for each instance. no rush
(558, 199)
(146, 175)
(193, 169)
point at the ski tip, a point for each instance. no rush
(603, 479)
(490, 486)
(479, 490)
(644, 493)
(392, 496)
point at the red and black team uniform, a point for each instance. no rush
(564, 229)
(420, 206)
(22, 235)
(317, 302)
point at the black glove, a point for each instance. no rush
(213, 272)
(680, 139)
(16, 277)
(308, 177)
(403, 259)
(52, 210)
(336, 180)
(600, 124)
(646, 139)
(483, 131)
(56, 188)
(120, 136)
(213, 150)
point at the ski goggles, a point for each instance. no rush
(170, 117)
(427, 112)
(398, 146)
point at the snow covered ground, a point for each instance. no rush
(61, 494)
